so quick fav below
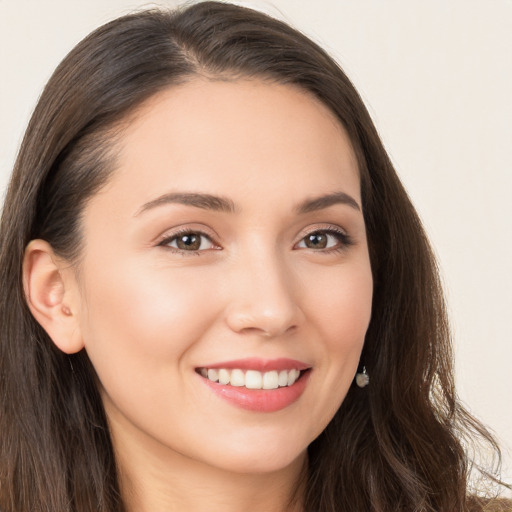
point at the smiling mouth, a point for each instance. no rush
(252, 379)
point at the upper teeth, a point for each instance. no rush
(251, 379)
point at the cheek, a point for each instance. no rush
(141, 321)
(341, 315)
(340, 303)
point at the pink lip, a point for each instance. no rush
(261, 365)
(260, 400)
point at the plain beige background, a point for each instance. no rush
(437, 79)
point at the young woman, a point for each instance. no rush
(216, 294)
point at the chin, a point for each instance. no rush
(262, 462)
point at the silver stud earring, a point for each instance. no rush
(362, 378)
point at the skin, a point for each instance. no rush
(149, 313)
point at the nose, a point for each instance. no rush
(263, 298)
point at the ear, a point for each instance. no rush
(51, 291)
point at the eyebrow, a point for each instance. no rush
(203, 201)
(223, 204)
(319, 203)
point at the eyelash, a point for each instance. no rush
(344, 241)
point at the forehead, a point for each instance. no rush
(250, 138)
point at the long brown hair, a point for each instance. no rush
(396, 445)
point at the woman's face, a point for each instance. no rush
(230, 239)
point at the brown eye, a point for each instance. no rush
(316, 241)
(325, 240)
(189, 241)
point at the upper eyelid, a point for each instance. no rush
(174, 232)
(322, 227)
